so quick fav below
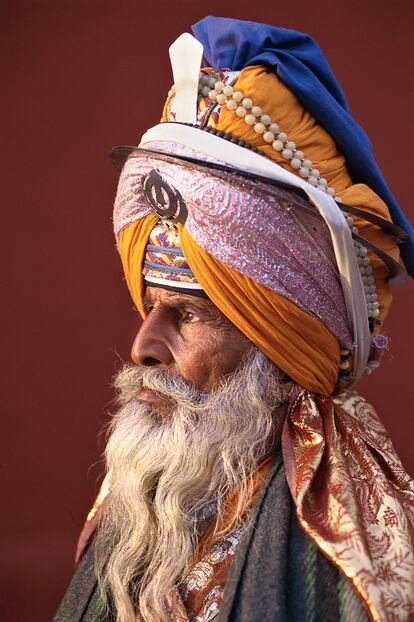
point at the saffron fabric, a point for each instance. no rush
(267, 91)
(294, 340)
(301, 66)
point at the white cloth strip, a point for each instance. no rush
(248, 161)
(180, 284)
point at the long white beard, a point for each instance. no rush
(165, 471)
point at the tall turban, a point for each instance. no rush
(283, 219)
(271, 315)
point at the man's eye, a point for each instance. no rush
(189, 317)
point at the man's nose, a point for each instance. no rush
(150, 345)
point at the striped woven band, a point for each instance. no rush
(165, 265)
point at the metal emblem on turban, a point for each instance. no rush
(164, 199)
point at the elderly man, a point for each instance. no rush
(258, 240)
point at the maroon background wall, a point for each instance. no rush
(79, 77)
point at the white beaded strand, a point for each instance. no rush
(365, 269)
(226, 95)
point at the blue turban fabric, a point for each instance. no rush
(300, 64)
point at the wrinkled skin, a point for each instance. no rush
(190, 337)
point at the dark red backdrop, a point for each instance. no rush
(79, 77)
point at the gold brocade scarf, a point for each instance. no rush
(353, 497)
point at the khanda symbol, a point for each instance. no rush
(164, 199)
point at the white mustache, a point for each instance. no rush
(173, 387)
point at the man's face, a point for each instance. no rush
(189, 337)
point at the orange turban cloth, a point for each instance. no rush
(292, 337)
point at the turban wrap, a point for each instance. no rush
(291, 337)
(351, 493)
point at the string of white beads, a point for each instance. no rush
(226, 95)
(365, 269)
